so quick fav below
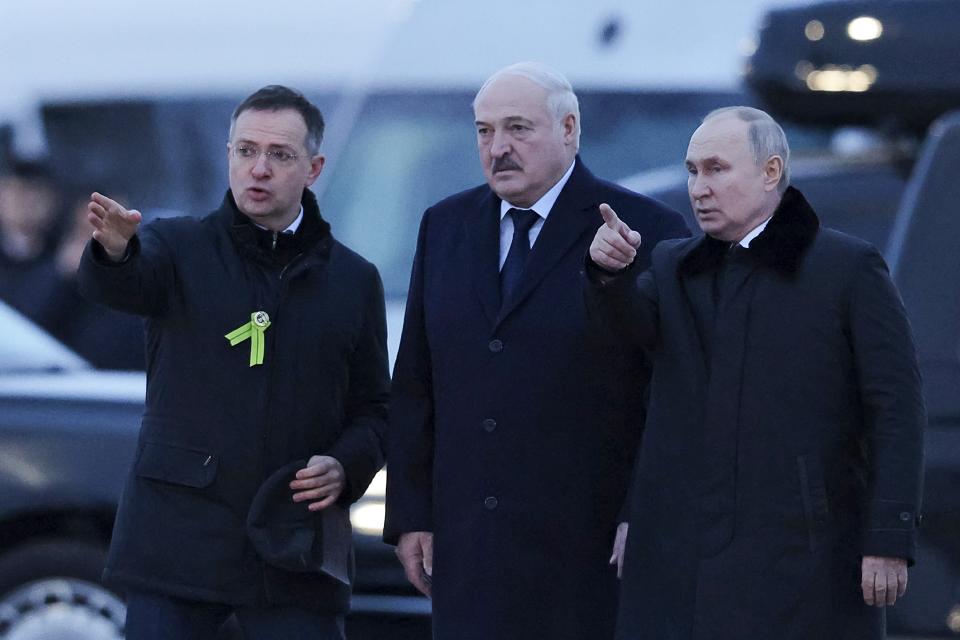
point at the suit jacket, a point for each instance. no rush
(783, 439)
(512, 430)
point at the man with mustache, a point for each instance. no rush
(267, 386)
(511, 429)
(777, 489)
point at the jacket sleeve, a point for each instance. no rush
(623, 307)
(891, 392)
(138, 284)
(410, 439)
(360, 447)
(670, 225)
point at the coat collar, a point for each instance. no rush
(781, 246)
(313, 235)
(569, 219)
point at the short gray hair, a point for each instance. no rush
(561, 100)
(767, 138)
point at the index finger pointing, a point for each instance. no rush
(610, 217)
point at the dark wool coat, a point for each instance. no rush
(783, 439)
(512, 432)
(214, 427)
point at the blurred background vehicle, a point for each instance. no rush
(143, 113)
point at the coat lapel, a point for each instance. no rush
(574, 213)
(482, 230)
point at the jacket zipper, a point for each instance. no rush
(267, 410)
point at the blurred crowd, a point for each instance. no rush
(43, 231)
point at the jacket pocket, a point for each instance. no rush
(813, 493)
(177, 465)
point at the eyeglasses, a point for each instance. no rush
(250, 153)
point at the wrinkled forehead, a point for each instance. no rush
(511, 96)
(723, 137)
(270, 127)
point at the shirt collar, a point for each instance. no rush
(542, 206)
(747, 239)
(293, 225)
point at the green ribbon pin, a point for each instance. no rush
(253, 330)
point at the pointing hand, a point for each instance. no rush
(113, 225)
(615, 245)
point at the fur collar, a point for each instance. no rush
(781, 245)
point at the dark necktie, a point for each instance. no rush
(523, 220)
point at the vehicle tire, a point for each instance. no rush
(52, 590)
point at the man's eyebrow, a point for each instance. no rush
(275, 145)
(710, 159)
(508, 120)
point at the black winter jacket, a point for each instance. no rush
(215, 427)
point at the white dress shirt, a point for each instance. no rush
(542, 207)
(293, 225)
(757, 230)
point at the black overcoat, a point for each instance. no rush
(783, 439)
(512, 433)
(215, 427)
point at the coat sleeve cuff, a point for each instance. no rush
(100, 257)
(393, 527)
(601, 277)
(891, 530)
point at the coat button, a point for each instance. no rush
(490, 503)
(496, 346)
(489, 425)
(905, 516)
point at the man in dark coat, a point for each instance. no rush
(511, 431)
(778, 481)
(266, 346)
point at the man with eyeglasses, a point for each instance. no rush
(266, 398)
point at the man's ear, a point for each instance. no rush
(316, 166)
(569, 125)
(772, 172)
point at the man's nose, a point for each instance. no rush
(698, 187)
(500, 145)
(261, 167)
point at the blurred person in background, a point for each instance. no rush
(511, 431)
(106, 338)
(28, 207)
(267, 386)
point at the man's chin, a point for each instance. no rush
(254, 208)
(506, 187)
(255, 213)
